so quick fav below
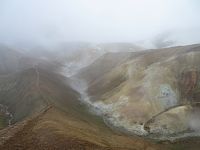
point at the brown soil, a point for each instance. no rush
(51, 131)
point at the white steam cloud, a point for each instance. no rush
(47, 21)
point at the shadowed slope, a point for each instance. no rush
(32, 90)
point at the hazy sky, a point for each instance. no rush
(98, 20)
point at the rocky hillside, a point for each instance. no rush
(154, 92)
(149, 93)
(47, 114)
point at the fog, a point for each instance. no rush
(136, 21)
(76, 42)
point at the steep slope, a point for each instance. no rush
(74, 61)
(55, 129)
(104, 64)
(119, 47)
(129, 93)
(9, 60)
(13, 61)
(32, 90)
(48, 115)
(74, 56)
